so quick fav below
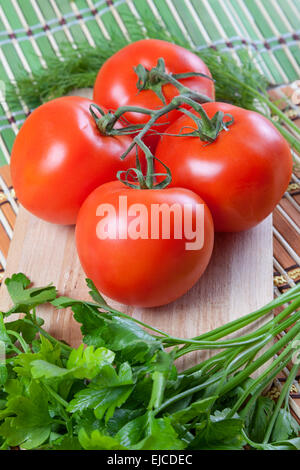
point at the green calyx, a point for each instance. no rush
(105, 122)
(101, 119)
(152, 79)
(208, 129)
(155, 78)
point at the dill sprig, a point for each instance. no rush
(77, 68)
(239, 84)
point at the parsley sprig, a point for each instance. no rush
(120, 389)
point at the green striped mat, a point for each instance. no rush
(32, 31)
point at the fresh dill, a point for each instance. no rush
(239, 84)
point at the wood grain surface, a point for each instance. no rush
(237, 280)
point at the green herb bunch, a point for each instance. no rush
(120, 389)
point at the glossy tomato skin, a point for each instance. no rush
(141, 272)
(116, 81)
(59, 157)
(241, 176)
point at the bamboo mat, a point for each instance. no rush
(286, 226)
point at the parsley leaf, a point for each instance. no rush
(25, 298)
(98, 441)
(105, 393)
(119, 334)
(219, 432)
(149, 433)
(260, 418)
(193, 411)
(285, 426)
(82, 364)
(94, 293)
(29, 422)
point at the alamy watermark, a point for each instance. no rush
(136, 222)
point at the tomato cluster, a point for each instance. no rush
(65, 160)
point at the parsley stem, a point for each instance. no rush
(121, 314)
(55, 395)
(221, 331)
(242, 375)
(284, 392)
(264, 383)
(246, 320)
(240, 359)
(235, 364)
(48, 336)
(22, 342)
(210, 344)
(263, 379)
(217, 358)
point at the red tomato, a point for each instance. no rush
(241, 176)
(116, 81)
(59, 157)
(148, 271)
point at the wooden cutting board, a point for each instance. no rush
(238, 280)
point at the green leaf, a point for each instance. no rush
(162, 368)
(285, 426)
(4, 337)
(29, 422)
(89, 317)
(82, 364)
(121, 417)
(219, 431)
(104, 394)
(66, 442)
(48, 352)
(14, 387)
(193, 411)
(27, 330)
(94, 293)
(86, 363)
(260, 418)
(148, 433)
(98, 441)
(25, 298)
(222, 431)
(3, 372)
(121, 335)
(45, 370)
